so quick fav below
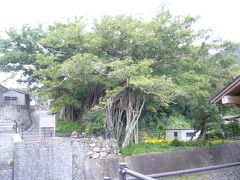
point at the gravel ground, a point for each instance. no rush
(232, 173)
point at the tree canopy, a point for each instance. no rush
(123, 67)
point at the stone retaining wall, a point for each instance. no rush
(99, 148)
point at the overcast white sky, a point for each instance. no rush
(220, 15)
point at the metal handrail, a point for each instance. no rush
(137, 175)
(194, 170)
(123, 171)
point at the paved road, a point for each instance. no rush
(232, 173)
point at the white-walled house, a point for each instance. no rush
(14, 108)
(14, 97)
(184, 134)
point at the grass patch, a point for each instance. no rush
(142, 148)
(150, 145)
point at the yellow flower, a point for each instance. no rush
(217, 141)
(149, 140)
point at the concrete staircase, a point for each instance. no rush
(6, 126)
(33, 132)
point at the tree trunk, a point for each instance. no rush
(126, 105)
(201, 135)
(76, 114)
(194, 134)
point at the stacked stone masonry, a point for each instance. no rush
(100, 148)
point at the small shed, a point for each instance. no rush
(16, 97)
(184, 134)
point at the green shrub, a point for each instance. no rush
(153, 132)
(67, 126)
(177, 143)
(232, 129)
(214, 134)
(198, 143)
(95, 120)
(178, 121)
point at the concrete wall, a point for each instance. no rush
(181, 134)
(184, 159)
(21, 98)
(7, 146)
(78, 157)
(65, 160)
(6, 172)
(97, 169)
(44, 160)
(60, 160)
(164, 161)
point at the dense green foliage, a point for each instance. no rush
(160, 73)
(231, 130)
(65, 126)
(95, 121)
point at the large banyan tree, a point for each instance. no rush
(114, 65)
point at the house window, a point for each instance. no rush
(189, 134)
(175, 135)
(9, 99)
